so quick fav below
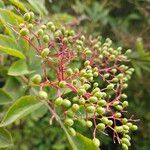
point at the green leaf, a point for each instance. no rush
(4, 97)
(2, 4)
(12, 52)
(5, 138)
(14, 87)
(18, 4)
(22, 107)
(18, 68)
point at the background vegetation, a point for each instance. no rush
(127, 23)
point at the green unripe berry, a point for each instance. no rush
(27, 16)
(124, 120)
(93, 99)
(81, 92)
(125, 104)
(133, 127)
(102, 103)
(59, 101)
(83, 38)
(106, 75)
(118, 115)
(30, 26)
(69, 71)
(110, 86)
(86, 63)
(72, 131)
(75, 107)
(66, 103)
(125, 127)
(70, 114)
(118, 129)
(101, 126)
(119, 107)
(89, 124)
(116, 103)
(105, 120)
(49, 24)
(46, 38)
(31, 15)
(125, 141)
(68, 122)
(100, 110)
(96, 142)
(36, 79)
(125, 86)
(24, 32)
(110, 123)
(43, 27)
(45, 52)
(82, 101)
(120, 76)
(86, 86)
(40, 32)
(95, 74)
(98, 94)
(42, 95)
(90, 109)
(88, 52)
(115, 80)
(124, 147)
(124, 96)
(62, 84)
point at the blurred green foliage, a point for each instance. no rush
(128, 24)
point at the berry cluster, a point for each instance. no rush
(97, 84)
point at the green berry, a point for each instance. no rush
(124, 147)
(96, 142)
(68, 122)
(118, 129)
(124, 120)
(101, 126)
(86, 63)
(88, 52)
(105, 120)
(72, 131)
(70, 113)
(110, 86)
(81, 91)
(133, 127)
(86, 86)
(30, 26)
(27, 16)
(45, 52)
(59, 101)
(62, 84)
(93, 99)
(40, 32)
(100, 110)
(95, 74)
(69, 71)
(24, 32)
(31, 15)
(125, 141)
(42, 95)
(46, 38)
(50, 24)
(82, 101)
(118, 115)
(75, 107)
(124, 96)
(89, 124)
(125, 127)
(102, 103)
(36, 79)
(90, 109)
(125, 104)
(43, 27)
(66, 103)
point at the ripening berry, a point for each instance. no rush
(96, 142)
(27, 16)
(36, 79)
(75, 107)
(124, 147)
(46, 38)
(45, 52)
(68, 122)
(72, 131)
(24, 32)
(101, 126)
(66, 103)
(100, 110)
(90, 109)
(105, 120)
(62, 84)
(133, 127)
(59, 101)
(89, 124)
(42, 95)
